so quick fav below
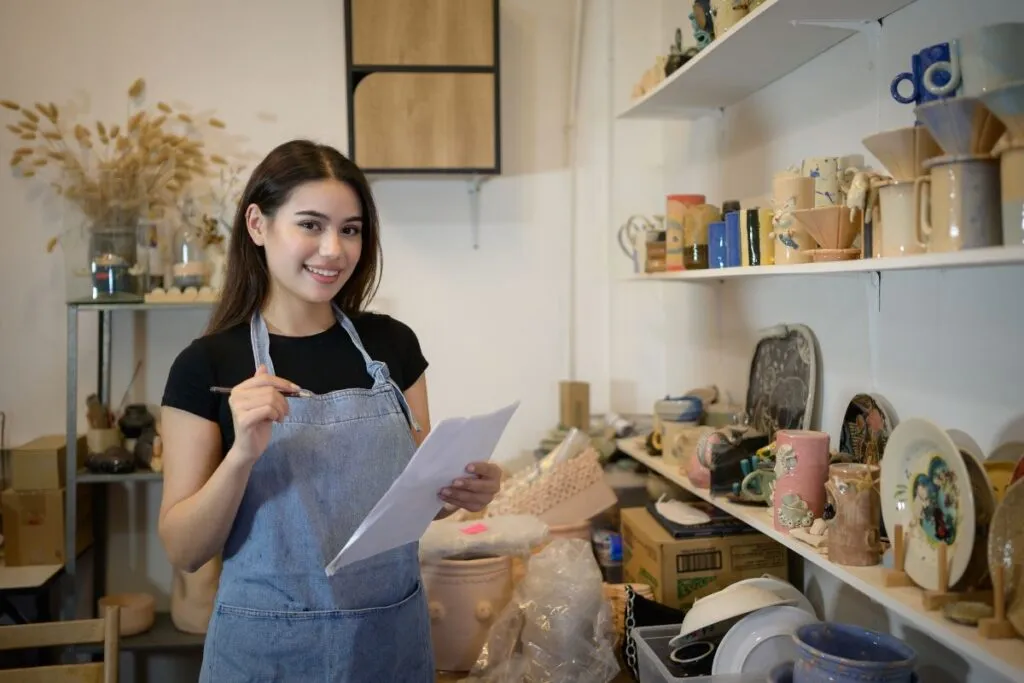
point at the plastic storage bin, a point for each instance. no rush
(652, 640)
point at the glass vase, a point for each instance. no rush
(190, 266)
(114, 266)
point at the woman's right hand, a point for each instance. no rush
(255, 405)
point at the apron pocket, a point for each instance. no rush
(389, 643)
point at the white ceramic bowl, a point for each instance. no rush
(728, 603)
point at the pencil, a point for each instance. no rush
(301, 393)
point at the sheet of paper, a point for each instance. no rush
(405, 511)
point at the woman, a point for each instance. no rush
(280, 483)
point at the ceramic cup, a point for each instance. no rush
(675, 216)
(928, 75)
(791, 192)
(801, 469)
(842, 653)
(1011, 180)
(962, 209)
(980, 60)
(696, 219)
(895, 234)
(733, 240)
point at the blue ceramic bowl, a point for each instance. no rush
(842, 653)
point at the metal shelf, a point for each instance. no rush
(104, 309)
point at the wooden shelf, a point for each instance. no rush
(971, 258)
(1003, 656)
(770, 42)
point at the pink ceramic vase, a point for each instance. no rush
(801, 470)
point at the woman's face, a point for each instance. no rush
(313, 242)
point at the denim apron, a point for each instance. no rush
(278, 616)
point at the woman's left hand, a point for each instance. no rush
(475, 491)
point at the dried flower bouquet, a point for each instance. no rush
(115, 173)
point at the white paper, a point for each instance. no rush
(403, 514)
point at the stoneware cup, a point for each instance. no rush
(843, 653)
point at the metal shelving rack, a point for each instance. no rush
(163, 635)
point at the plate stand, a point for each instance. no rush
(937, 599)
(897, 576)
(997, 627)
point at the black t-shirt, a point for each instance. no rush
(324, 362)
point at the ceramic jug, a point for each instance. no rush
(853, 538)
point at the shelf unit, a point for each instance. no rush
(972, 258)
(770, 42)
(163, 635)
(1003, 656)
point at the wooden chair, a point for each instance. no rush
(56, 633)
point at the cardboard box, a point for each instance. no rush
(680, 571)
(33, 525)
(42, 463)
(574, 405)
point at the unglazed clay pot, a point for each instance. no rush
(465, 597)
(192, 597)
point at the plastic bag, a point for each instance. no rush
(558, 627)
(514, 535)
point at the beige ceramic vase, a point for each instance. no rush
(853, 534)
(192, 597)
(465, 597)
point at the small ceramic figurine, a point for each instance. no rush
(675, 54)
(703, 24)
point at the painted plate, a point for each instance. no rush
(867, 425)
(976, 575)
(926, 488)
(1006, 547)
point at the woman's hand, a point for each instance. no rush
(255, 405)
(475, 492)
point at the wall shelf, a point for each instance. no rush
(770, 42)
(973, 258)
(1003, 656)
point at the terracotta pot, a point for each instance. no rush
(465, 597)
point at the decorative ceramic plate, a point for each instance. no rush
(1000, 473)
(867, 425)
(926, 488)
(761, 641)
(783, 379)
(1006, 547)
(984, 507)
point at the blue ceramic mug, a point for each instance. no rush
(931, 76)
(732, 239)
(843, 653)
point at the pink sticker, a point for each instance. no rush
(474, 528)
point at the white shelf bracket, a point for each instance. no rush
(474, 185)
(871, 28)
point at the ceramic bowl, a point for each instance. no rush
(843, 653)
(728, 603)
(687, 409)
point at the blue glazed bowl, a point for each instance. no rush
(842, 653)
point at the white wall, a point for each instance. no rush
(944, 345)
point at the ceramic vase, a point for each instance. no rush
(465, 597)
(801, 469)
(853, 537)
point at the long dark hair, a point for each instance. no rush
(247, 280)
